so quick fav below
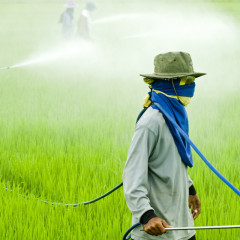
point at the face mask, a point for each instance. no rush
(185, 100)
(184, 81)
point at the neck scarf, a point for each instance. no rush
(166, 94)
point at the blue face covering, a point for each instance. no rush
(177, 112)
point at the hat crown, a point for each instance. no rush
(70, 4)
(173, 63)
(90, 5)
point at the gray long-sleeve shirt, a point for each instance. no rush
(155, 177)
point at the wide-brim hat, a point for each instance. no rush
(173, 65)
(70, 4)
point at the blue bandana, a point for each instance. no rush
(176, 111)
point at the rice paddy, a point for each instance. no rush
(66, 124)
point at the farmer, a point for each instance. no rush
(66, 19)
(157, 187)
(84, 21)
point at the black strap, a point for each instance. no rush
(140, 114)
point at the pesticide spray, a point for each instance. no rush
(4, 68)
(62, 52)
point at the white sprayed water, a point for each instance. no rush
(61, 53)
(4, 68)
(210, 37)
(141, 35)
(119, 17)
(131, 40)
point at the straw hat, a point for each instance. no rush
(173, 65)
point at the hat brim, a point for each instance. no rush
(170, 76)
(70, 6)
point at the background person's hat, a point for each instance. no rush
(173, 65)
(70, 4)
(90, 6)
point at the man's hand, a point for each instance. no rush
(194, 204)
(156, 226)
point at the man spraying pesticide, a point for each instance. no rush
(157, 187)
(84, 22)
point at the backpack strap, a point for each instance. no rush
(141, 113)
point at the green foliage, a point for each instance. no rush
(65, 133)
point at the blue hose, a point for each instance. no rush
(197, 150)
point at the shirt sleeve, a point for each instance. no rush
(190, 182)
(135, 174)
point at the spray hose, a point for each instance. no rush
(196, 149)
(71, 204)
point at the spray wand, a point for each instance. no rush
(126, 236)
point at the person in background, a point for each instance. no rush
(66, 20)
(84, 21)
(157, 187)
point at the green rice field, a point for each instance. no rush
(66, 124)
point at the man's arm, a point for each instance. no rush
(135, 174)
(135, 181)
(151, 214)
